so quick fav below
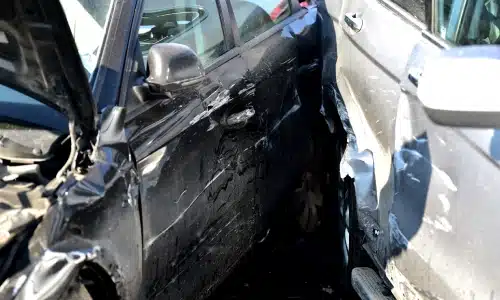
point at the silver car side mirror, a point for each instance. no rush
(460, 87)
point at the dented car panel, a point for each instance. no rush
(168, 191)
(214, 159)
(424, 192)
(94, 218)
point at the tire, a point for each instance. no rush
(350, 237)
(93, 283)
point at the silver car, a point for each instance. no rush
(419, 83)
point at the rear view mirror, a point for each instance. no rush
(172, 67)
(460, 87)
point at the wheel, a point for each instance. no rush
(93, 283)
(349, 235)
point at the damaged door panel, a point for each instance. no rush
(93, 218)
(207, 188)
(282, 64)
(194, 183)
(160, 197)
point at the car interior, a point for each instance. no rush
(484, 24)
(179, 23)
(480, 23)
(164, 25)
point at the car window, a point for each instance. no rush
(254, 17)
(442, 17)
(414, 7)
(87, 20)
(194, 23)
(469, 22)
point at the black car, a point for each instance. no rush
(147, 181)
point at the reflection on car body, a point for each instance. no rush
(165, 174)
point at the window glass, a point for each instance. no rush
(254, 17)
(469, 22)
(414, 7)
(194, 23)
(443, 17)
(87, 21)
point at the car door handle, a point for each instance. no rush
(414, 75)
(354, 21)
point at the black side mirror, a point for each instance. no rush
(172, 67)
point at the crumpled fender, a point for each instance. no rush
(50, 277)
(92, 217)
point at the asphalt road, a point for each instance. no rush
(291, 264)
(285, 266)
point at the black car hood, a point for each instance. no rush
(39, 58)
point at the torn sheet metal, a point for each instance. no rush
(356, 164)
(359, 166)
(52, 277)
(50, 239)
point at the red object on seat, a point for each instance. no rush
(278, 10)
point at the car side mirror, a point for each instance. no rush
(460, 87)
(172, 67)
